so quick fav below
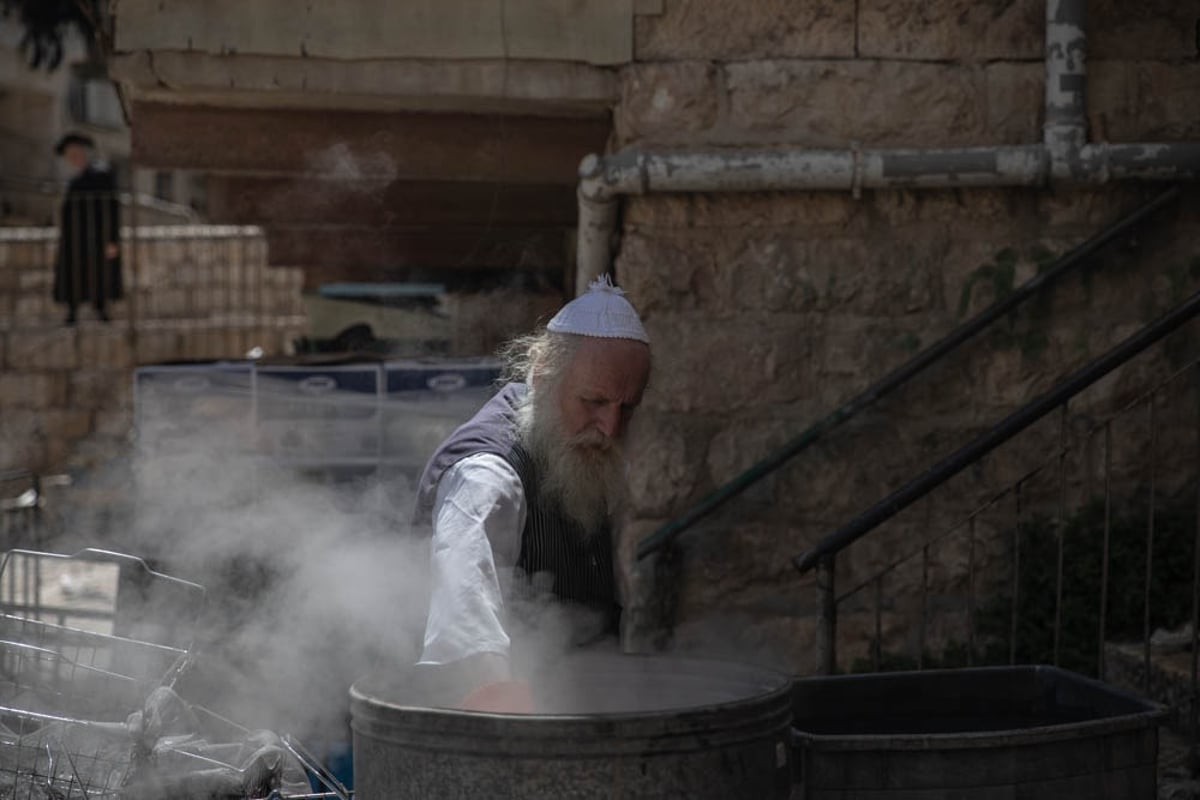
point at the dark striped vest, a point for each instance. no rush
(553, 550)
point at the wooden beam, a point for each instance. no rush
(361, 145)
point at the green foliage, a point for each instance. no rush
(1001, 272)
(908, 342)
(1043, 257)
(1170, 593)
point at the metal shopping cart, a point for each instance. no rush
(91, 648)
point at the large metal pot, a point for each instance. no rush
(623, 727)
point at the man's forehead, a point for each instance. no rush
(611, 361)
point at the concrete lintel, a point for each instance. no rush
(589, 31)
(248, 81)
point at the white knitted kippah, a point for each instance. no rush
(602, 311)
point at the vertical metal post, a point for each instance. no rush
(924, 606)
(1062, 533)
(1194, 728)
(877, 642)
(1149, 555)
(1016, 579)
(233, 333)
(135, 280)
(971, 592)
(1103, 632)
(826, 616)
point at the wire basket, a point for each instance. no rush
(88, 644)
(64, 760)
(62, 654)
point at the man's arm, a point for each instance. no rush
(478, 515)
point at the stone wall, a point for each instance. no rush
(192, 293)
(768, 310)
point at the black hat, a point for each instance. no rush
(70, 139)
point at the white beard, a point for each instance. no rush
(585, 472)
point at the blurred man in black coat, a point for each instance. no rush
(89, 250)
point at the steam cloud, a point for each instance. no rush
(311, 584)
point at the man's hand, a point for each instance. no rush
(504, 697)
(112, 250)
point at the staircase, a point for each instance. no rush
(193, 292)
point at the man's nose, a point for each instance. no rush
(607, 420)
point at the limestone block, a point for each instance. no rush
(740, 446)
(10, 278)
(951, 29)
(66, 423)
(734, 210)
(860, 346)
(19, 427)
(7, 317)
(728, 30)
(32, 389)
(53, 348)
(35, 279)
(58, 451)
(1015, 93)
(948, 209)
(666, 102)
(168, 304)
(114, 423)
(662, 453)
(721, 365)
(100, 388)
(208, 342)
(834, 103)
(784, 273)
(193, 271)
(34, 309)
(157, 346)
(1082, 211)
(1143, 101)
(20, 256)
(672, 272)
(105, 347)
(1159, 29)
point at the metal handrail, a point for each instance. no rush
(998, 434)
(900, 376)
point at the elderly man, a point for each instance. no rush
(526, 490)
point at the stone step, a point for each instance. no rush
(1170, 677)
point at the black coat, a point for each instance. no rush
(91, 219)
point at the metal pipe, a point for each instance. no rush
(1194, 727)
(899, 376)
(1061, 527)
(1101, 668)
(1004, 430)
(971, 592)
(1065, 130)
(877, 642)
(1062, 155)
(1146, 664)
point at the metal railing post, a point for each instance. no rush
(826, 616)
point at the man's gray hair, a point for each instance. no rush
(543, 351)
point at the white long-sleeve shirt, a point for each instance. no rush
(478, 515)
